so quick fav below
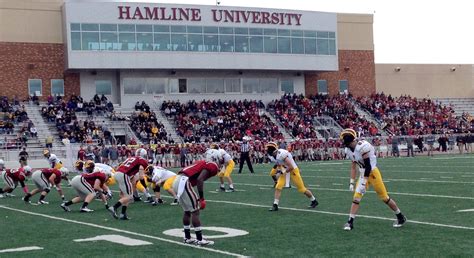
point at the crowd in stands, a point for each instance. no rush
(296, 113)
(13, 114)
(216, 120)
(406, 115)
(62, 112)
(146, 125)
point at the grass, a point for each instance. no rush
(427, 190)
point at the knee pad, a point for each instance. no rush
(47, 190)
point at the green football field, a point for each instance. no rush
(436, 195)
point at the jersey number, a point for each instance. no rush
(128, 162)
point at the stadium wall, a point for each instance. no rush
(426, 80)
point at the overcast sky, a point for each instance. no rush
(405, 31)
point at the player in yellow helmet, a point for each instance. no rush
(289, 171)
(362, 154)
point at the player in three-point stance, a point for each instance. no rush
(362, 154)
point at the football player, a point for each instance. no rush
(161, 178)
(226, 170)
(282, 157)
(126, 177)
(362, 154)
(43, 179)
(87, 187)
(191, 176)
(54, 161)
(12, 177)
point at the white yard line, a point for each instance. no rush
(121, 231)
(395, 193)
(344, 214)
(21, 249)
(468, 210)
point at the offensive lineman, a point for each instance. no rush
(362, 154)
(227, 169)
(161, 178)
(284, 158)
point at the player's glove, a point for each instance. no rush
(202, 204)
(351, 185)
(361, 187)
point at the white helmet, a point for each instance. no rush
(53, 158)
(64, 171)
(27, 169)
(2, 163)
(141, 153)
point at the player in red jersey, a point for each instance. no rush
(42, 179)
(86, 186)
(12, 177)
(190, 176)
(127, 175)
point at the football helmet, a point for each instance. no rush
(348, 136)
(89, 166)
(64, 171)
(2, 164)
(79, 165)
(141, 153)
(271, 147)
(149, 170)
(214, 146)
(27, 170)
(46, 153)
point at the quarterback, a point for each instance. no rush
(227, 169)
(283, 158)
(362, 154)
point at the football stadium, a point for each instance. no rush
(183, 130)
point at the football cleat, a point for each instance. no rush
(348, 226)
(313, 204)
(189, 241)
(274, 207)
(9, 195)
(220, 189)
(43, 202)
(2, 196)
(175, 202)
(400, 221)
(85, 209)
(65, 208)
(137, 199)
(230, 190)
(149, 200)
(26, 200)
(113, 212)
(124, 217)
(204, 242)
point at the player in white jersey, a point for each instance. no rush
(161, 178)
(283, 158)
(362, 154)
(226, 170)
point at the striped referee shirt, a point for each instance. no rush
(245, 147)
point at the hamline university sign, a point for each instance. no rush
(218, 15)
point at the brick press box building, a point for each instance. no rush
(150, 51)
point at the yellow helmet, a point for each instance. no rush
(79, 165)
(271, 147)
(46, 153)
(149, 170)
(214, 146)
(89, 166)
(348, 135)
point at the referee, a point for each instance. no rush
(245, 154)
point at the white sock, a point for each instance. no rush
(397, 211)
(352, 216)
(222, 185)
(276, 201)
(231, 186)
(312, 198)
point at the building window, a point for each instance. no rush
(287, 86)
(322, 87)
(249, 85)
(214, 85)
(232, 85)
(134, 85)
(156, 85)
(343, 87)
(103, 87)
(196, 85)
(269, 85)
(142, 37)
(35, 87)
(57, 87)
